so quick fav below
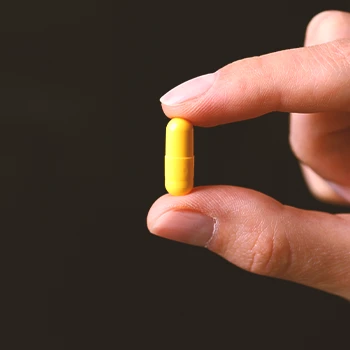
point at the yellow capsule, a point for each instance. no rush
(179, 159)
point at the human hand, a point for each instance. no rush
(247, 228)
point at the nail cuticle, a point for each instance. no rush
(214, 234)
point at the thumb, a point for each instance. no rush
(260, 235)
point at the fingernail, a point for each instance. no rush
(342, 191)
(185, 226)
(188, 90)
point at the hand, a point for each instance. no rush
(247, 228)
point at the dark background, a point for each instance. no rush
(81, 150)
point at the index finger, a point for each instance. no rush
(303, 80)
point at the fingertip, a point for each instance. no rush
(189, 100)
(155, 211)
(195, 201)
(206, 111)
(189, 90)
(188, 227)
(328, 26)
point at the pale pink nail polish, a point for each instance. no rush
(189, 90)
(185, 226)
(342, 191)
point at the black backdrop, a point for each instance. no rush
(81, 150)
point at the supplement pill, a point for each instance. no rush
(179, 158)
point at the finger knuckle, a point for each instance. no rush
(270, 252)
(341, 53)
(260, 243)
(327, 22)
(257, 69)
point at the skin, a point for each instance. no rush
(251, 230)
